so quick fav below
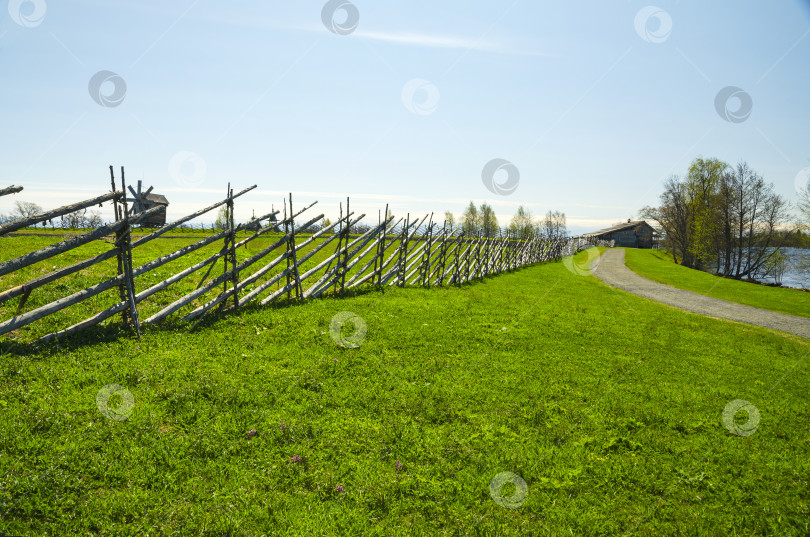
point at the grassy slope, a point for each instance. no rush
(608, 405)
(657, 265)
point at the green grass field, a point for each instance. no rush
(658, 265)
(608, 406)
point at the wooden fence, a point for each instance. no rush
(406, 252)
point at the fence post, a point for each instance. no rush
(125, 246)
(291, 247)
(403, 250)
(426, 254)
(287, 244)
(442, 259)
(380, 252)
(339, 249)
(122, 287)
(346, 255)
(230, 255)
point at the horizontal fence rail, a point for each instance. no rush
(299, 259)
(10, 190)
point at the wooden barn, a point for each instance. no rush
(631, 234)
(158, 219)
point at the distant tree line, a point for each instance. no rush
(481, 221)
(722, 218)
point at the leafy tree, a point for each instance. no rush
(471, 220)
(449, 218)
(489, 222)
(703, 184)
(222, 219)
(522, 224)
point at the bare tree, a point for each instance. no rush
(26, 209)
(75, 220)
(554, 226)
(731, 221)
(674, 217)
(804, 202)
(752, 219)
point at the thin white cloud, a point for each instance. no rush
(452, 42)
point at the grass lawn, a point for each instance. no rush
(658, 265)
(608, 406)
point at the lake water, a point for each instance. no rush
(794, 276)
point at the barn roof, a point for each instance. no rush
(157, 198)
(618, 227)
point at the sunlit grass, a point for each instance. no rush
(608, 405)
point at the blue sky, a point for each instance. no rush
(594, 103)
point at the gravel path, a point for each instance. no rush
(612, 270)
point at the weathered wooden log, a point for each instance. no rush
(262, 271)
(52, 307)
(143, 269)
(380, 232)
(326, 279)
(56, 275)
(398, 240)
(349, 260)
(241, 285)
(404, 251)
(50, 215)
(54, 249)
(87, 323)
(10, 190)
(325, 263)
(380, 245)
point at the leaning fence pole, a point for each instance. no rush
(13, 189)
